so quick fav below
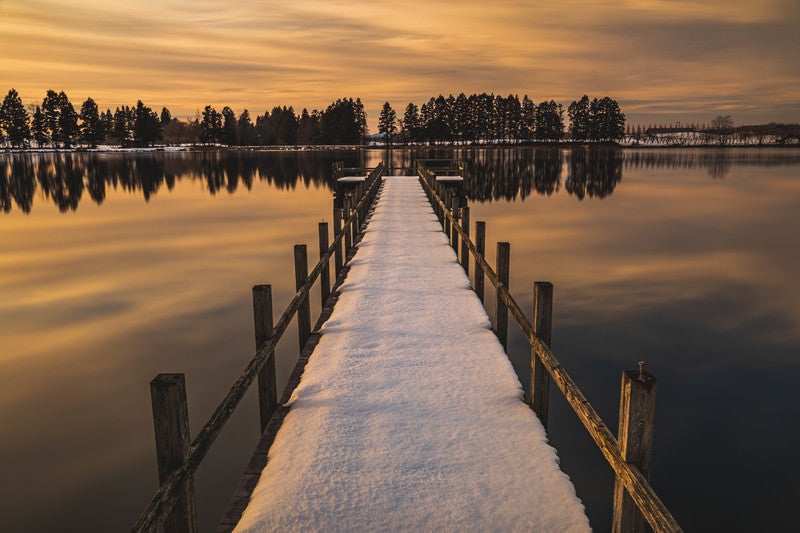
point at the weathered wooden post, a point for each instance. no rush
(171, 423)
(325, 274)
(337, 254)
(501, 310)
(637, 405)
(542, 327)
(304, 311)
(454, 211)
(445, 217)
(348, 229)
(480, 246)
(464, 247)
(262, 320)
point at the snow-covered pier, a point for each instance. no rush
(409, 415)
(403, 411)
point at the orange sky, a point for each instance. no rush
(663, 60)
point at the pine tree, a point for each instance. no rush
(410, 122)
(38, 127)
(146, 125)
(14, 119)
(91, 126)
(230, 133)
(387, 122)
(166, 117)
(579, 119)
(211, 125)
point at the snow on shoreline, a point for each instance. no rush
(409, 415)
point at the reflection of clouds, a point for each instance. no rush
(664, 239)
(302, 53)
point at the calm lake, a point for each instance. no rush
(117, 266)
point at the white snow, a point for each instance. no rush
(352, 179)
(449, 178)
(409, 416)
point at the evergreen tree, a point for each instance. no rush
(308, 127)
(343, 122)
(51, 110)
(230, 133)
(166, 117)
(410, 122)
(245, 129)
(37, 126)
(67, 120)
(146, 125)
(387, 122)
(579, 119)
(91, 125)
(211, 125)
(549, 121)
(528, 119)
(14, 119)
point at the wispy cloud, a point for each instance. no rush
(682, 59)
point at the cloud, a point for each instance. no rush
(652, 53)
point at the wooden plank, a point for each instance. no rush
(464, 247)
(300, 276)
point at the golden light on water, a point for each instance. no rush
(663, 60)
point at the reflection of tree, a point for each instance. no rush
(63, 177)
(717, 161)
(494, 174)
(594, 172)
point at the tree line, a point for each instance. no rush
(475, 118)
(494, 118)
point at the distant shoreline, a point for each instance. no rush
(353, 147)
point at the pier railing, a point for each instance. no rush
(629, 457)
(173, 507)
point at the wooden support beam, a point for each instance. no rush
(348, 230)
(325, 274)
(267, 384)
(480, 248)
(501, 310)
(304, 312)
(464, 246)
(171, 423)
(338, 215)
(637, 406)
(539, 396)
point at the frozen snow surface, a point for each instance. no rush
(409, 415)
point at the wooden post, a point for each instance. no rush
(480, 246)
(304, 311)
(348, 230)
(542, 327)
(325, 274)
(454, 211)
(171, 423)
(337, 254)
(464, 247)
(445, 217)
(501, 310)
(262, 319)
(637, 405)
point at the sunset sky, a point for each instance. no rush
(663, 60)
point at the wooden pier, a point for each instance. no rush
(635, 502)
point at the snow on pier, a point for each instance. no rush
(409, 415)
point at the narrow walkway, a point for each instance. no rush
(409, 415)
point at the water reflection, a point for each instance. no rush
(491, 174)
(64, 178)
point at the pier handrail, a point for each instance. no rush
(643, 495)
(170, 490)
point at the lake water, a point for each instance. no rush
(115, 267)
